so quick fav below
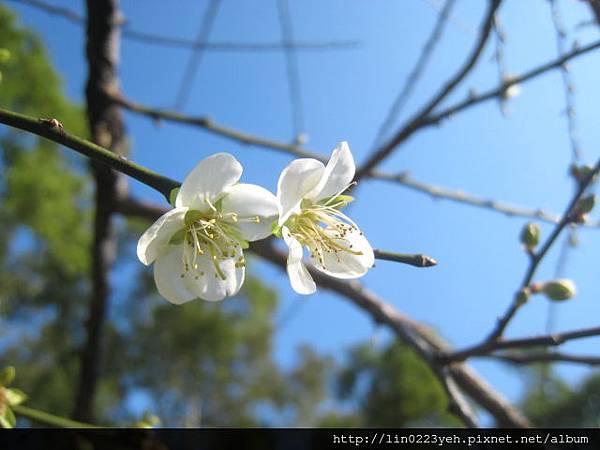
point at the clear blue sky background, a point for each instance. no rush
(522, 159)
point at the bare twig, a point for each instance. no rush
(546, 340)
(538, 256)
(569, 86)
(169, 41)
(546, 357)
(473, 100)
(403, 179)
(457, 403)
(413, 260)
(417, 71)
(415, 123)
(47, 129)
(208, 19)
(496, 92)
(293, 75)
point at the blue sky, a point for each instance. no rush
(520, 159)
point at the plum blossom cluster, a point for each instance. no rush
(198, 246)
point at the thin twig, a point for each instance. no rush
(546, 340)
(293, 75)
(173, 42)
(417, 71)
(48, 129)
(546, 357)
(569, 86)
(208, 19)
(496, 92)
(538, 256)
(403, 179)
(419, 260)
(415, 123)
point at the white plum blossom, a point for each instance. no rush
(310, 196)
(197, 247)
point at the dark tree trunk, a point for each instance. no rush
(106, 128)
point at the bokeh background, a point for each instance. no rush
(269, 356)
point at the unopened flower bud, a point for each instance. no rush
(586, 204)
(581, 173)
(559, 289)
(523, 296)
(530, 235)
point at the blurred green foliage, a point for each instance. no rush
(552, 403)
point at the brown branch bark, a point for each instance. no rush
(546, 357)
(547, 340)
(414, 124)
(425, 342)
(106, 126)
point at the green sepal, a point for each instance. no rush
(7, 376)
(15, 396)
(191, 216)
(177, 238)
(7, 419)
(276, 229)
(219, 204)
(244, 244)
(343, 199)
(173, 196)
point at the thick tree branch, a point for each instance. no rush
(415, 123)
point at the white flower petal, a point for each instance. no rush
(299, 178)
(156, 238)
(343, 264)
(300, 278)
(249, 201)
(209, 179)
(338, 173)
(168, 269)
(205, 283)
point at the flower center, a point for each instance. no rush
(215, 235)
(323, 228)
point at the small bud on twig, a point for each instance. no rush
(558, 290)
(582, 208)
(530, 236)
